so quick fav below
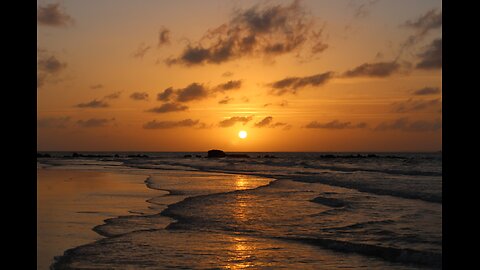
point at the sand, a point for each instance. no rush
(70, 203)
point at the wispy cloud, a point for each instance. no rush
(404, 124)
(53, 15)
(168, 107)
(233, 120)
(336, 124)
(95, 122)
(293, 84)
(139, 96)
(93, 104)
(259, 31)
(171, 124)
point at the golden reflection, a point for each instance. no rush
(241, 182)
(242, 254)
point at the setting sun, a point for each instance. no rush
(242, 134)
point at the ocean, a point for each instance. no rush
(269, 211)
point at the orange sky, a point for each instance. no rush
(296, 75)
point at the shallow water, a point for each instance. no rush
(302, 213)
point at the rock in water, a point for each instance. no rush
(216, 154)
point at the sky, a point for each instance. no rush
(189, 75)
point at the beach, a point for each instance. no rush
(170, 212)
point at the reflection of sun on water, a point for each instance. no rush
(241, 182)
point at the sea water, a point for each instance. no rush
(291, 211)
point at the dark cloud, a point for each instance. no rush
(227, 74)
(427, 91)
(50, 65)
(335, 124)
(139, 96)
(93, 104)
(194, 91)
(432, 19)
(423, 25)
(95, 122)
(168, 107)
(404, 124)
(53, 15)
(265, 122)
(225, 100)
(97, 86)
(114, 95)
(230, 85)
(172, 124)
(163, 37)
(141, 51)
(40, 80)
(53, 122)
(379, 69)
(416, 105)
(431, 58)
(258, 31)
(165, 95)
(292, 84)
(362, 10)
(233, 120)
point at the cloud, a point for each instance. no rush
(194, 91)
(114, 95)
(168, 107)
(93, 104)
(292, 84)
(432, 19)
(97, 86)
(225, 100)
(335, 124)
(53, 15)
(95, 122)
(230, 85)
(50, 65)
(404, 124)
(139, 96)
(362, 10)
(416, 105)
(427, 91)
(233, 120)
(431, 58)
(52, 122)
(258, 31)
(165, 95)
(265, 122)
(163, 37)
(379, 69)
(171, 124)
(227, 74)
(423, 25)
(141, 51)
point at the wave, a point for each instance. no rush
(405, 256)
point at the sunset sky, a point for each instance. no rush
(117, 75)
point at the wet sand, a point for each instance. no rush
(70, 203)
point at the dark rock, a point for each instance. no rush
(116, 156)
(216, 154)
(198, 156)
(269, 156)
(187, 156)
(40, 155)
(75, 155)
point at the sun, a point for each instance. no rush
(242, 134)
